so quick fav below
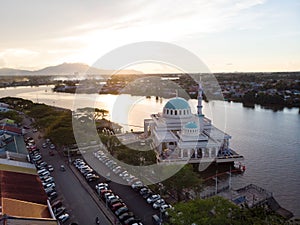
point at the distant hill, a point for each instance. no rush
(63, 69)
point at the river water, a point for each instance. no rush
(269, 141)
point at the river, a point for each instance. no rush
(269, 141)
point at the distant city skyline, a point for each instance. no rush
(228, 35)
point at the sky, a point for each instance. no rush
(227, 35)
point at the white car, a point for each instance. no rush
(153, 198)
(49, 185)
(158, 203)
(137, 184)
(50, 168)
(123, 173)
(164, 207)
(64, 217)
(101, 186)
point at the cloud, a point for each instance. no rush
(14, 57)
(18, 52)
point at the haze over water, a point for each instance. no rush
(269, 141)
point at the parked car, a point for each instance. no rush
(117, 206)
(164, 207)
(156, 220)
(91, 178)
(52, 195)
(100, 185)
(158, 203)
(125, 216)
(50, 168)
(147, 194)
(143, 190)
(44, 145)
(52, 146)
(49, 190)
(102, 192)
(48, 179)
(129, 221)
(45, 173)
(121, 210)
(56, 204)
(43, 164)
(49, 185)
(123, 173)
(114, 201)
(41, 171)
(112, 198)
(59, 211)
(64, 217)
(37, 157)
(153, 198)
(137, 185)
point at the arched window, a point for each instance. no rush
(167, 111)
(175, 112)
(171, 112)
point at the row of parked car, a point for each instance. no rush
(152, 198)
(116, 205)
(44, 172)
(85, 170)
(118, 170)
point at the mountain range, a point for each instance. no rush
(63, 69)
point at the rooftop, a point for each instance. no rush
(177, 103)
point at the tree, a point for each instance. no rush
(93, 113)
(186, 178)
(100, 112)
(13, 115)
(217, 210)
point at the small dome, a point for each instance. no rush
(177, 103)
(191, 129)
(191, 125)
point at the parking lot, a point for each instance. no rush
(135, 202)
(78, 203)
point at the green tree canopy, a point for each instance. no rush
(217, 210)
(186, 178)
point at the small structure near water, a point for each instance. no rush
(252, 196)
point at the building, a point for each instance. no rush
(23, 199)
(178, 135)
(4, 107)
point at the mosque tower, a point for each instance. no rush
(199, 106)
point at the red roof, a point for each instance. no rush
(11, 129)
(21, 186)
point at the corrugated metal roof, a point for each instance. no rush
(21, 186)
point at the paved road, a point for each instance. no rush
(80, 205)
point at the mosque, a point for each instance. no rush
(178, 135)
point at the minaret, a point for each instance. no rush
(199, 106)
